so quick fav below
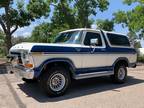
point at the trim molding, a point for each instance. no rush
(94, 74)
(93, 70)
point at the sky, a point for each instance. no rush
(114, 6)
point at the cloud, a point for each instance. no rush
(26, 34)
(93, 26)
(25, 31)
(22, 32)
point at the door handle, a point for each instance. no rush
(93, 50)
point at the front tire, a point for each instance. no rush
(56, 81)
(120, 74)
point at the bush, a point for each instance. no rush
(141, 59)
(2, 52)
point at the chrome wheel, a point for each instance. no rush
(57, 82)
(121, 73)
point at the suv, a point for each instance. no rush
(75, 54)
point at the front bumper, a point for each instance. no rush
(22, 72)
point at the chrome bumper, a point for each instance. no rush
(22, 72)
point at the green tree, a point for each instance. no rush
(41, 33)
(63, 15)
(107, 25)
(2, 44)
(133, 19)
(76, 13)
(68, 14)
(14, 17)
(126, 19)
(86, 8)
(19, 39)
(137, 45)
(46, 32)
(1, 38)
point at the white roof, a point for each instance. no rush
(115, 33)
(78, 29)
(89, 29)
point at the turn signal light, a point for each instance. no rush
(28, 65)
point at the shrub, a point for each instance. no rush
(2, 52)
(141, 59)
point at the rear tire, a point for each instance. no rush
(55, 81)
(120, 74)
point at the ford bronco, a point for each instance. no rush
(75, 54)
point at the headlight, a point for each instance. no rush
(28, 61)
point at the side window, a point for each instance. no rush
(89, 36)
(118, 40)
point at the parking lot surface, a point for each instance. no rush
(89, 93)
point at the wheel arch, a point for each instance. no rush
(65, 62)
(121, 60)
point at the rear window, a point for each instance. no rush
(118, 40)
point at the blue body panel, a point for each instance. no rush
(80, 50)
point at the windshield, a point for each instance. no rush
(73, 37)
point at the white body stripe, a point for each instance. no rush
(85, 60)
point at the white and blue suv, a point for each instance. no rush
(75, 54)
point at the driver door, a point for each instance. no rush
(96, 57)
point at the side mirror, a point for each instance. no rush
(94, 42)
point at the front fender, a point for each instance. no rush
(38, 70)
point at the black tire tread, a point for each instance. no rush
(44, 79)
(115, 76)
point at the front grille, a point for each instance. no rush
(19, 60)
(17, 54)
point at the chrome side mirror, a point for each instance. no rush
(94, 42)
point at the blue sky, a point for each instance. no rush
(114, 6)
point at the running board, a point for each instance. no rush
(94, 74)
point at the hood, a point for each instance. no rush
(28, 46)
